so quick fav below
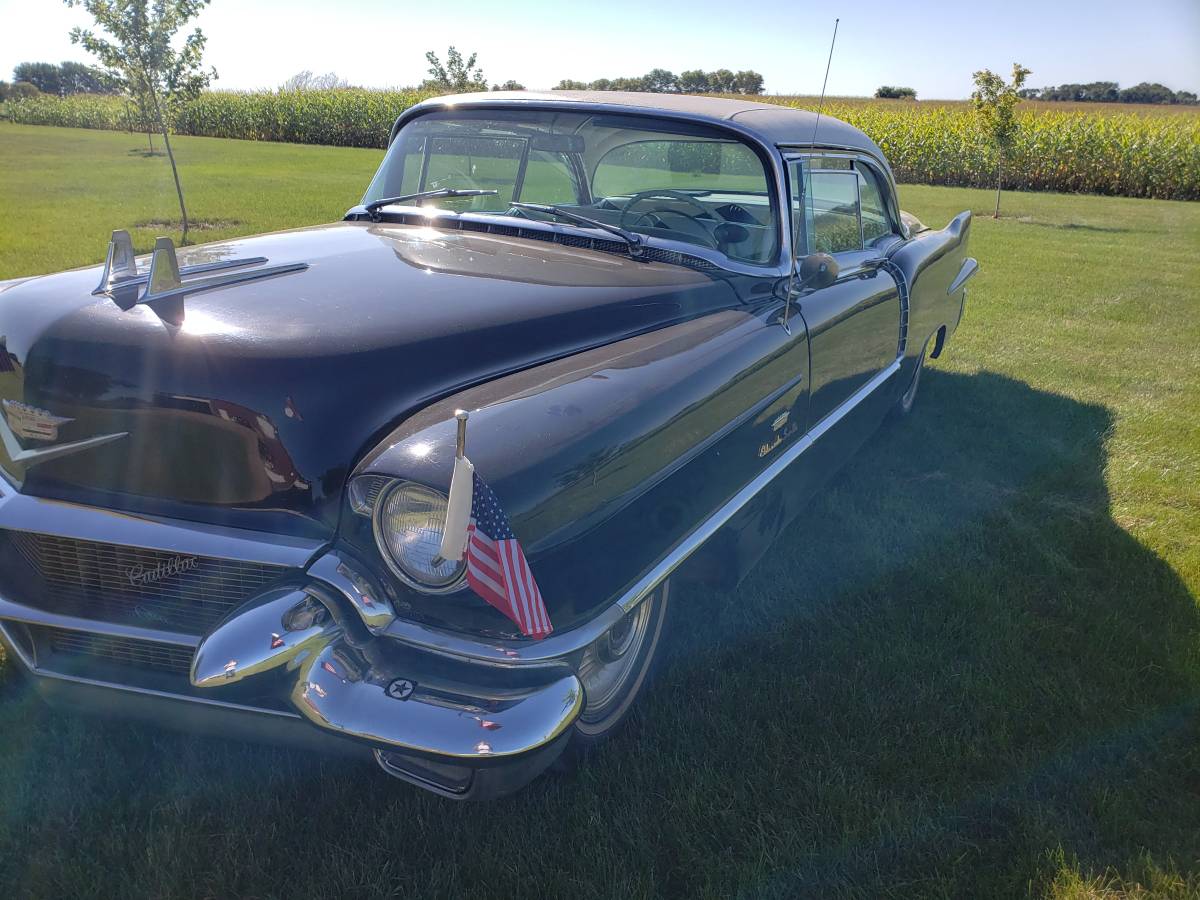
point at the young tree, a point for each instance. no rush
(511, 85)
(135, 48)
(996, 109)
(456, 75)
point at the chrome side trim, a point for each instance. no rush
(690, 544)
(21, 512)
(15, 646)
(19, 612)
(557, 649)
(966, 271)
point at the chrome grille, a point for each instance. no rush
(124, 651)
(152, 588)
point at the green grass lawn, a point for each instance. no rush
(971, 669)
(64, 190)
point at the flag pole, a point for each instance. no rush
(458, 504)
(461, 448)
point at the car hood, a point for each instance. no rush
(253, 411)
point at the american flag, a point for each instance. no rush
(496, 566)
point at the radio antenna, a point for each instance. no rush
(812, 145)
(824, 84)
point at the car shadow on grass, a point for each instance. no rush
(952, 666)
(953, 675)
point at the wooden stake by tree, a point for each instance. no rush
(135, 49)
(996, 108)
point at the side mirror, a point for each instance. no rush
(818, 270)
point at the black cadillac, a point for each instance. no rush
(654, 324)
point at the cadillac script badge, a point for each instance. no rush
(144, 576)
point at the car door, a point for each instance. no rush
(855, 324)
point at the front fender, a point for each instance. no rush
(603, 460)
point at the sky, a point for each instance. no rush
(930, 45)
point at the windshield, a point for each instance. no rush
(658, 178)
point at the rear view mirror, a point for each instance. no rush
(818, 270)
(557, 143)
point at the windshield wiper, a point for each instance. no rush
(375, 205)
(636, 247)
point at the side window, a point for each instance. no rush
(833, 211)
(875, 222)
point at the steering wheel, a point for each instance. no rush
(451, 174)
(692, 224)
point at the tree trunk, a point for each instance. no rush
(162, 124)
(999, 182)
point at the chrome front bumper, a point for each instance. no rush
(319, 662)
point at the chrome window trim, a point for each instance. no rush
(559, 648)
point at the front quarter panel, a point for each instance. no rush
(605, 459)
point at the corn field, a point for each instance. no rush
(1126, 154)
(1104, 152)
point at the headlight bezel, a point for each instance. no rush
(391, 559)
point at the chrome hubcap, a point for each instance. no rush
(610, 663)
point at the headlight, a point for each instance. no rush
(409, 521)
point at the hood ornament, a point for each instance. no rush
(164, 284)
(23, 422)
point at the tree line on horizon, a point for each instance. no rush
(663, 81)
(59, 80)
(1111, 92)
(461, 74)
